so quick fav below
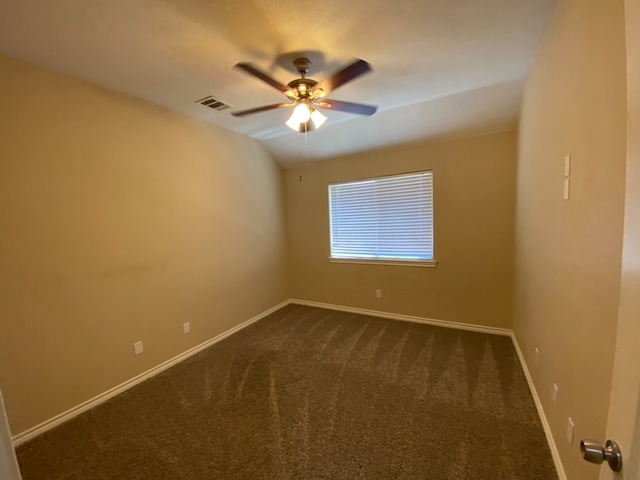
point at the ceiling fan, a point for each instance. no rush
(307, 95)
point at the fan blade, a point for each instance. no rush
(250, 69)
(357, 108)
(350, 72)
(265, 108)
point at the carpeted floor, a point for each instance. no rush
(308, 393)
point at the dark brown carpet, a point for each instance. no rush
(308, 393)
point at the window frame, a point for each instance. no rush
(383, 261)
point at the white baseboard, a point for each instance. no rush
(407, 318)
(103, 397)
(543, 418)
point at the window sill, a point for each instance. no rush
(399, 263)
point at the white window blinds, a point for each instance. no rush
(388, 218)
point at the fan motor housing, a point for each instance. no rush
(302, 86)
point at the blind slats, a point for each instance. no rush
(386, 218)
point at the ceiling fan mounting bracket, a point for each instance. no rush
(302, 65)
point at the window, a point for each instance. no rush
(387, 218)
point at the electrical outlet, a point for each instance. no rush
(554, 393)
(138, 348)
(536, 357)
(186, 327)
(378, 293)
(570, 428)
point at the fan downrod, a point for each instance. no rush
(302, 86)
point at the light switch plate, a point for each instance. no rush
(138, 348)
(567, 165)
(566, 189)
(570, 429)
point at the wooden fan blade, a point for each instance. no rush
(357, 108)
(348, 73)
(250, 69)
(264, 108)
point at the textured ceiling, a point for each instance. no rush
(441, 68)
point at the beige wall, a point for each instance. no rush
(120, 221)
(474, 182)
(568, 253)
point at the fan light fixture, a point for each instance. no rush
(317, 118)
(301, 115)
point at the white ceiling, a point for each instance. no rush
(441, 68)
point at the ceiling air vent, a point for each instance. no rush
(213, 103)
